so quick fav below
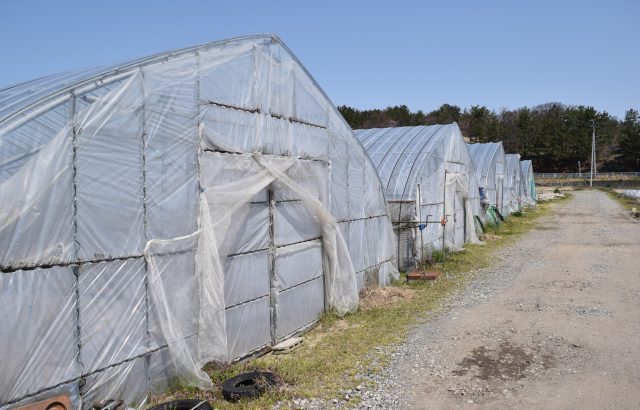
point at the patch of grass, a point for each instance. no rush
(337, 349)
(437, 256)
(490, 226)
(625, 201)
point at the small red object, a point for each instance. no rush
(422, 275)
(61, 402)
(443, 221)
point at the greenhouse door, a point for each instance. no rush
(499, 194)
(297, 280)
(274, 281)
(458, 218)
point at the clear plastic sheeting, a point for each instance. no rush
(460, 228)
(514, 193)
(22, 344)
(188, 207)
(490, 167)
(630, 193)
(528, 183)
(412, 163)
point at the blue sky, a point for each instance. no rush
(367, 54)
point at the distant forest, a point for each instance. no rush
(555, 136)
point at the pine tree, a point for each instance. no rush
(630, 140)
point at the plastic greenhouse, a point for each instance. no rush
(426, 172)
(188, 207)
(528, 183)
(514, 194)
(490, 165)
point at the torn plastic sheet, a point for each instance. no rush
(341, 288)
(220, 205)
(459, 206)
(176, 318)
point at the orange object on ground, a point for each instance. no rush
(61, 402)
(423, 275)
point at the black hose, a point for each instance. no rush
(477, 218)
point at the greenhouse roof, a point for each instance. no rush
(402, 154)
(32, 112)
(19, 98)
(513, 163)
(489, 159)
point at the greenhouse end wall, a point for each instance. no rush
(528, 182)
(158, 214)
(490, 174)
(514, 198)
(430, 166)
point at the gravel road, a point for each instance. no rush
(555, 323)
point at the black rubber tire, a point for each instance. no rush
(477, 218)
(248, 385)
(185, 404)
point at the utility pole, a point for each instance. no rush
(579, 170)
(593, 153)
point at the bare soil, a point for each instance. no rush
(561, 332)
(373, 298)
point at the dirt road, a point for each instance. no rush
(555, 324)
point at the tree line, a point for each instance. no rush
(553, 135)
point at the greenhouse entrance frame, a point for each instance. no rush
(276, 332)
(292, 249)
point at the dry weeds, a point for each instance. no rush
(373, 298)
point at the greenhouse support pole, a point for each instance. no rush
(273, 287)
(399, 230)
(144, 140)
(593, 153)
(76, 245)
(444, 218)
(501, 207)
(421, 229)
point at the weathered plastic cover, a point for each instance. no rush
(408, 158)
(514, 194)
(189, 207)
(528, 182)
(631, 193)
(490, 165)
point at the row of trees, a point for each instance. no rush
(555, 136)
